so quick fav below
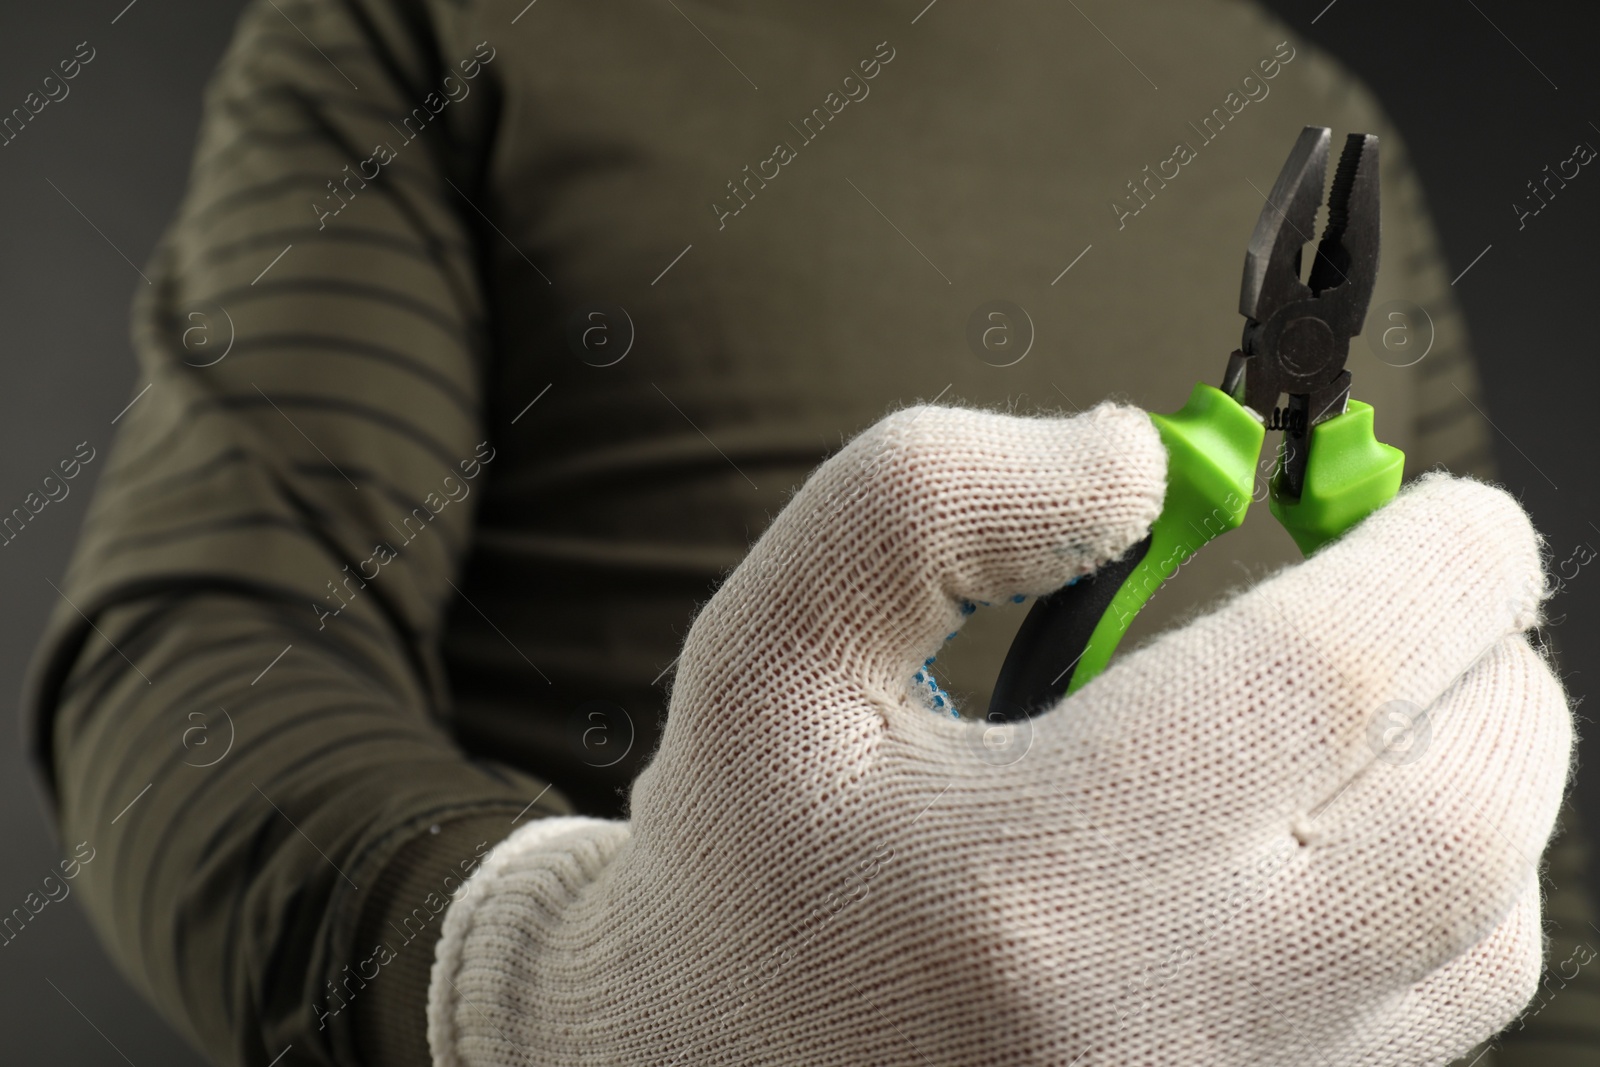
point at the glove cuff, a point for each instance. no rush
(524, 882)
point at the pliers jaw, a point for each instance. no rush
(1297, 334)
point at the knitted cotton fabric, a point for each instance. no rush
(1212, 854)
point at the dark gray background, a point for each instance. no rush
(1484, 109)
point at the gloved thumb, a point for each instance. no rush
(868, 568)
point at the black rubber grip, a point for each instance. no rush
(1045, 652)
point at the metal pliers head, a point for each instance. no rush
(1298, 333)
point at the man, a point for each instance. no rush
(533, 318)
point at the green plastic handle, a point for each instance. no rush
(1213, 445)
(1349, 475)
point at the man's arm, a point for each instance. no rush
(237, 702)
(1448, 425)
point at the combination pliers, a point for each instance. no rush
(1288, 374)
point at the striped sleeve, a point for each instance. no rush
(1450, 428)
(238, 703)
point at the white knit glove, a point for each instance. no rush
(1207, 856)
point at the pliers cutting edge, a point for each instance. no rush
(1331, 472)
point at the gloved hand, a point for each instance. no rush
(1207, 856)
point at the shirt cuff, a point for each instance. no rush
(386, 983)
